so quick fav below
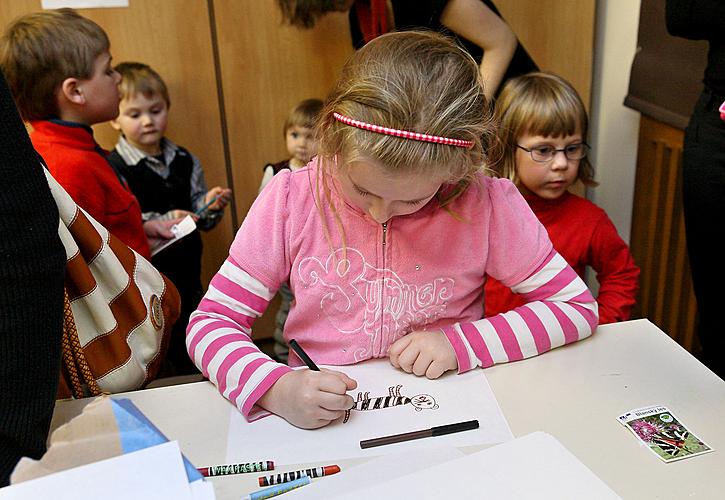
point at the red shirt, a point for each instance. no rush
(585, 236)
(78, 163)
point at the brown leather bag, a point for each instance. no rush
(120, 309)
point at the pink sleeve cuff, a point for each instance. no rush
(464, 362)
(249, 409)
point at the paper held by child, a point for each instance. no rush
(387, 401)
(183, 228)
(664, 434)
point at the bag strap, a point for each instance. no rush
(74, 361)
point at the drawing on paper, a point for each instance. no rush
(394, 398)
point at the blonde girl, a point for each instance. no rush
(386, 240)
(543, 130)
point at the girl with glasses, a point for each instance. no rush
(543, 130)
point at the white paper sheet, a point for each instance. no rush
(185, 227)
(378, 469)
(535, 466)
(458, 397)
(83, 4)
(202, 490)
(156, 472)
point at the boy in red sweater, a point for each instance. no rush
(58, 66)
(543, 133)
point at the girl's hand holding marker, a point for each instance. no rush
(309, 398)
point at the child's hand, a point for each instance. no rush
(310, 399)
(179, 214)
(223, 197)
(424, 353)
(156, 229)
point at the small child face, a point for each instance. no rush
(382, 195)
(301, 145)
(100, 92)
(549, 179)
(143, 121)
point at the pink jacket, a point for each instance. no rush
(422, 271)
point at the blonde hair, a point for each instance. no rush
(304, 114)
(416, 81)
(139, 78)
(38, 51)
(543, 104)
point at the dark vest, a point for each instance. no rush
(154, 193)
(180, 262)
(278, 167)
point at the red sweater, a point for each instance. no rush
(585, 236)
(79, 165)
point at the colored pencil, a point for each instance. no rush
(284, 477)
(203, 209)
(278, 489)
(432, 432)
(227, 469)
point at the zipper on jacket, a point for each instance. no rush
(382, 293)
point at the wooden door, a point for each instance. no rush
(173, 37)
(658, 234)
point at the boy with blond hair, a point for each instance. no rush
(58, 66)
(168, 182)
(299, 136)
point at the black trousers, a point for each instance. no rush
(703, 176)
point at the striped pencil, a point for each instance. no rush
(284, 477)
(224, 470)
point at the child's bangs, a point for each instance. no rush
(146, 87)
(553, 118)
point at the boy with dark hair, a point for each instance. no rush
(168, 182)
(58, 67)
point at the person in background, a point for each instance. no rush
(386, 239)
(169, 183)
(703, 171)
(543, 130)
(32, 265)
(476, 24)
(58, 66)
(301, 144)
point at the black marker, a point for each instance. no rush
(303, 355)
(432, 432)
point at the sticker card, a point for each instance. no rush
(663, 433)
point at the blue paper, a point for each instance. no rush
(137, 432)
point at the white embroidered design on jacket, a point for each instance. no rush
(391, 307)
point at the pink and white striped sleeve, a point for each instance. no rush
(219, 342)
(560, 309)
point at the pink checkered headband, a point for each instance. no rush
(405, 134)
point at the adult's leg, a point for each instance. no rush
(704, 207)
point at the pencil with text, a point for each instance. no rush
(227, 469)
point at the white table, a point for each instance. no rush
(574, 393)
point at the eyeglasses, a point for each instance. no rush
(546, 153)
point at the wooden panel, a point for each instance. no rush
(559, 35)
(174, 38)
(266, 69)
(658, 234)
